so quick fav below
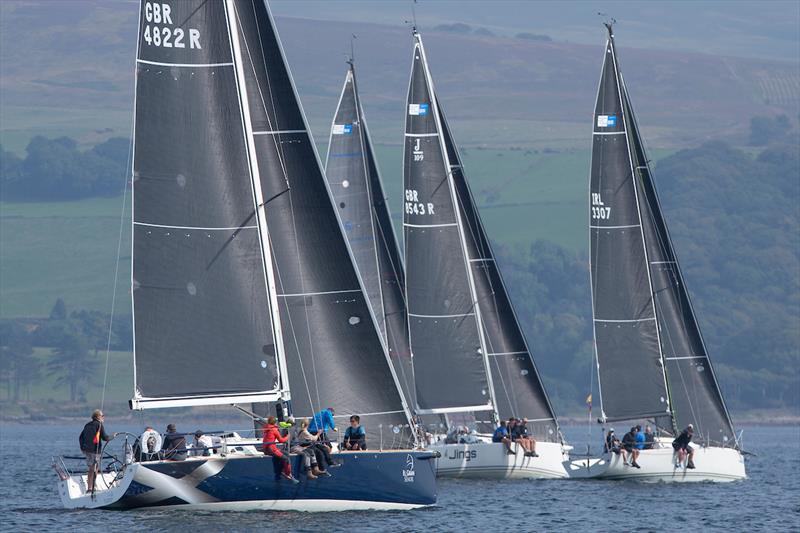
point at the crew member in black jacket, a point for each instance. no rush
(91, 442)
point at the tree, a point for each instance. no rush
(18, 365)
(72, 365)
(59, 311)
(764, 130)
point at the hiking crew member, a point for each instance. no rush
(321, 452)
(528, 441)
(629, 443)
(613, 445)
(91, 443)
(355, 438)
(272, 436)
(683, 448)
(501, 435)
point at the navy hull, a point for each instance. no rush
(365, 480)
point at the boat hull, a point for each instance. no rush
(490, 460)
(365, 480)
(658, 465)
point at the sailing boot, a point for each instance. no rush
(690, 464)
(310, 475)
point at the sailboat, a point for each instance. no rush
(652, 362)
(471, 362)
(244, 287)
(351, 170)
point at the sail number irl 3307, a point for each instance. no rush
(157, 30)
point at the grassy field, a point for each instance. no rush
(118, 388)
(68, 250)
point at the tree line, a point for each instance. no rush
(75, 340)
(55, 169)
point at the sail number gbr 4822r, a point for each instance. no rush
(157, 30)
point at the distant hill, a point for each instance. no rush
(67, 69)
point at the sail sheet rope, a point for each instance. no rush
(128, 172)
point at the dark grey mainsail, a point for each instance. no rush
(694, 395)
(518, 388)
(334, 351)
(199, 281)
(629, 356)
(242, 273)
(450, 369)
(354, 180)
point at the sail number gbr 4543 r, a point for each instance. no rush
(157, 31)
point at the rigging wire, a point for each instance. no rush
(128, 172)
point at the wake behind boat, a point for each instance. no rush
(651, 359)
(244, 288)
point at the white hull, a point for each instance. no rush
(658, 465)
(490, 460)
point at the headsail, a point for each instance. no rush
(449, 364)
(694, 392)
(334, 352)
(632, 382)
(354, 180)
(518, 388)
(199, 280)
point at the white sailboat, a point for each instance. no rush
(471, 363)
(651, 359)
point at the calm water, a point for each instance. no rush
(768, 500)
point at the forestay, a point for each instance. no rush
(632, 383)
(518, 388)
(354, 180)
(334, 352)
(449, 366)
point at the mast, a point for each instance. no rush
(266, 248)
(444, 318)
(519, 389)
(627, 340)
(695, 396)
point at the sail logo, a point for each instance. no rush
(418, 110)
(341, 129)
(606, 121)
(408, 471)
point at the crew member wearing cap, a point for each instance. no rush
(174, 446)
(683, 448)
(613, 444)
(202, 444)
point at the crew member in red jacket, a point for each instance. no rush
(272, 436)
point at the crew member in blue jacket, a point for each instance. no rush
(501, 435)
(640, 440)
(321, 423)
